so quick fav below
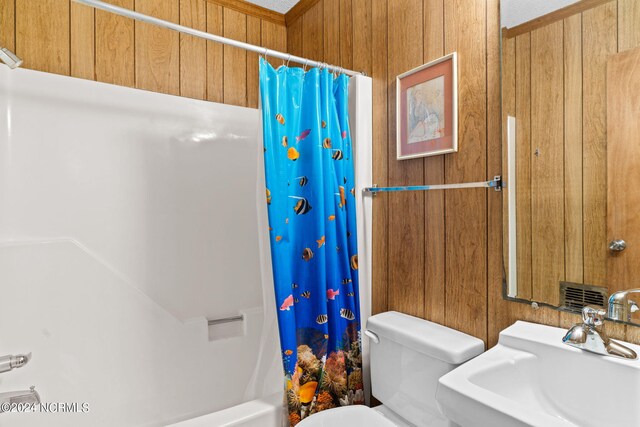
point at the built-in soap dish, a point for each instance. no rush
(226, 327)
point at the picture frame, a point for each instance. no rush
(427, 109)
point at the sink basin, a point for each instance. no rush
(532, 379)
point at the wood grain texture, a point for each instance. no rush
(7, 24)
(406, 224)
(235, 59)
(523, 164)
(215, 55)
(547, 175)
(115, 56)
(250, 9)
(254, 36)
(494, 164)
(553, 17)
(628, 24)
(466, 210)
(434, 218)
(573, 218)
(623, 137)
(346, 34)
(274, 37)
(312, 34)
(193, 50)
(362, 36)
(294, 36)
(82, 34)
(299, 10)
(158, 49)
(331, 31)
(599, 40)
(379, 74)
(508, 109)
(43, 34)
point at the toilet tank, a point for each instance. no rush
(410, 357)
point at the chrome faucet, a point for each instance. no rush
(30, 396)
(590, 336)
(7, 363)
(621, 307)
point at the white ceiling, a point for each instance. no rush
(516, 12)
(281, 6)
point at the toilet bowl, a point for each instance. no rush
(408, 356)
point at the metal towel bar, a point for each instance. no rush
(496, 184)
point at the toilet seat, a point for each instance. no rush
(357, 415)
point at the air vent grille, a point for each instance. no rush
(575, 296)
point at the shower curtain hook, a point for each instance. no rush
(288, 60)
(306, 63)
(266, 51)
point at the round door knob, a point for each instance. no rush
(617, 245)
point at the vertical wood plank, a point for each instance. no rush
(346, 34)
(599, 40)
(628, 24)
(115, 57)
(523, 164)
(235, 59)
(82, 41)
(193, 50)
(331, 31)
(466, 221)
(42, 35)
(312, 34)
(547, 192)
(274, 37)
(573, 148)
(434, 216)
(157, 49)
(254, 36)
(508, 109)
(380, 279)
(7, 24)
(294, 36)
(573, 220)
(406, 226)
(214, 54)
(362, 36)
(495, 310)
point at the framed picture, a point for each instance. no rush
(427, 109)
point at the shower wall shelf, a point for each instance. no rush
(495, 183)
(238, 318)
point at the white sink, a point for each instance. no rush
(532, 379)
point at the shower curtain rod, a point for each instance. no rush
(219, 39)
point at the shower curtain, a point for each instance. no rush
(312, 223)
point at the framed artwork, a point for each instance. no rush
(427, 109)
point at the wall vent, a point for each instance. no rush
(575, 296)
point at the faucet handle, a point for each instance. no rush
(593, 316)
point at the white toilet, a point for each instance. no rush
(408, 356)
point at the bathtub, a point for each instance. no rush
(265, 412)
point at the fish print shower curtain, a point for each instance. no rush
(312, 222)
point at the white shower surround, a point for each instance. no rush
(127, 219)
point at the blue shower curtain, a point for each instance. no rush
(312, 223)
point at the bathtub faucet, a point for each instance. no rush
(10, 362)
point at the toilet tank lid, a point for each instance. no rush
(426, 337)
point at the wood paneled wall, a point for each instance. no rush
(438, 255)
(434, 253)
(556, 88)
(62, 37)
